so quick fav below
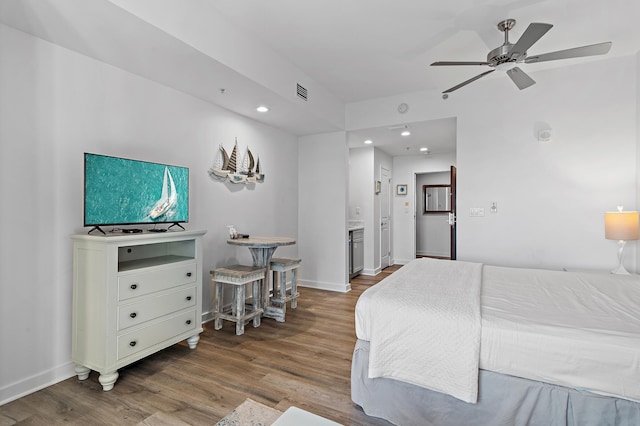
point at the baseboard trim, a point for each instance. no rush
(338, 287)
(372, 272)
(34, 383)
(207, 316)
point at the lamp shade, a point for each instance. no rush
(622, 226)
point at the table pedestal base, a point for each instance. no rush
(274, 312)
(262, 249)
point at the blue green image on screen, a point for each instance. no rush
(119, 191)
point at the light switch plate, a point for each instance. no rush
(476, 211)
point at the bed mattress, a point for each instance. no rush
(579, 330)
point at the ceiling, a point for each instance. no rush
(355, 50)
(438, 136)
(366, 49)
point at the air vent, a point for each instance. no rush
(302, 92)
(398, 127)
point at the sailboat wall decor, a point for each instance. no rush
(219, 169)
(227, 168)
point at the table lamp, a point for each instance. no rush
(621, 226)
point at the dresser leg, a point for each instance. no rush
(82, 372)
(193, 341)
(108, 380)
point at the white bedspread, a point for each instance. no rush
(580, 330)
(423, 323)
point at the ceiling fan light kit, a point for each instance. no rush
(508, 56)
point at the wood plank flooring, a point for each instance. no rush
(305, 362)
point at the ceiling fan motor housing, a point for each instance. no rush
(500, 55)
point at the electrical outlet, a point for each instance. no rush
(476, 211)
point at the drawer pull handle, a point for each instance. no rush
(188, 274)
(133, 315)
(188, 321)
(133, 343)
(134, 286)
(188, 297)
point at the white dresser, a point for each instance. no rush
(133, 295)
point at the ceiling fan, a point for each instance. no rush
(508, 56)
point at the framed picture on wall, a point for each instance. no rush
(401, 189)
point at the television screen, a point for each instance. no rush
(120, 191)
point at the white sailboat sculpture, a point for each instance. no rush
(247, 166)
(168, 199)
(220, 164)
(259, 171)
(234, 176)
(227, 167)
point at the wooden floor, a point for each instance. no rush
(305, 362)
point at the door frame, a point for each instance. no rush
(389, 218)
(453, 181)
(453, 232)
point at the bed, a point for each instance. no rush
(455, 343)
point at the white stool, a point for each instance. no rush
(237, 276)
(281, 296)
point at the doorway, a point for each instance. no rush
(435, 228)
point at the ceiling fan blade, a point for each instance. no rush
(471, 80)
(520, 78)
(576, 52)
(532, 34)
(441, 63)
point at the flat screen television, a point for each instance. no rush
(121, 191)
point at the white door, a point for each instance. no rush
(385, 216)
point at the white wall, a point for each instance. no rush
(637, 142)
(323, 179)
(361, 196)
(551, 197)
(380, 160)
(365, 167)
(57, 104)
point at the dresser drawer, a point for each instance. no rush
(155, 306)
(135, 341)
(136, 284)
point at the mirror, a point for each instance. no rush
(437, 198)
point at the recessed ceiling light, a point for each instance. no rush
(368, 142)
(424, 149)
(262, 108)
(405, 133)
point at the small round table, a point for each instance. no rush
(262, 249)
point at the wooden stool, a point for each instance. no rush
(237, 276)
(280, 266)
